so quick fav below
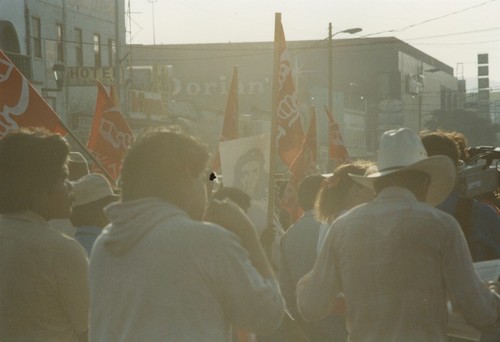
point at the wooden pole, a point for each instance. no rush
(272, 152)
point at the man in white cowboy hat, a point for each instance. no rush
(398, 259)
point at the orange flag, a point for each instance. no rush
(338, 152)
(289, 135)
(303, 165)
(110, 135)
(230, 124)
(21, 105)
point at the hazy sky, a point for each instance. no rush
(451, 31)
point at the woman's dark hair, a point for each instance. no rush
(308, 190)
(462, 143)
(331, 198)
(31, 163)
(441, 143)
(161, 163)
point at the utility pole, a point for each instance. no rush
(330, 62)
(117, 68)
(330, 67)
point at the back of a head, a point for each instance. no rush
(31, 162)
(308, 190)
(161, 163)
(462, 144)
(241, 198)
(332, 198)
(440, 143)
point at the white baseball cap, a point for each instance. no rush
(91, 188)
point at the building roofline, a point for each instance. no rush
(337, 44)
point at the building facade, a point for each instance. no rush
(378, 83)
(78, 34)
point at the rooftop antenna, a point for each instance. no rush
(460, 71)
(153, 15)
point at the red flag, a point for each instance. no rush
(303, 165)
(338, 152)
(110, 135)
(289, 127)
(230, 124)
(21, 105)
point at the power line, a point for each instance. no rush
(431, 19)
(461, 44)
(455, 34)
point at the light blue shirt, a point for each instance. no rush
(86, 236)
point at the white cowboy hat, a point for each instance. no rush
(402, 150)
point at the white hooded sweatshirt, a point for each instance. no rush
(157, 275)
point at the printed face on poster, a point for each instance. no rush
(245, 164)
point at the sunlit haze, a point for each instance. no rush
(453, 38)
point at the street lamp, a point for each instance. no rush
(59, 70)
(330, 66)
(350, 31)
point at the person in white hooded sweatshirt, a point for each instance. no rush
(159, 273)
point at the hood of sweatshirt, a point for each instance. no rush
(130, 221)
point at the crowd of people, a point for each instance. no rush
(381, 251)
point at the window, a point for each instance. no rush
(60, 43)
(111, 52)
(37, 37)
(97, 50)
(79, 46)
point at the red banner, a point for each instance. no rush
(21, 105)
(110, 135)
(338, 152)
(289, 135)
(230, 124)
(305, 164)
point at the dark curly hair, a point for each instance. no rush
(331, 198)
(308, 189)
(441, 143)
(31, 161)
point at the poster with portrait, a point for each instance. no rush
(245, 165)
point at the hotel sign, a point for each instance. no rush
(87, 76)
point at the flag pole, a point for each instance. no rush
(272, 152)
(230, 122)
(55, 115)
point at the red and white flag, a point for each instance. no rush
(110, 135)
(338, 152)
(230, 124)
(289, 134)
(305, 164)
(21, 105)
